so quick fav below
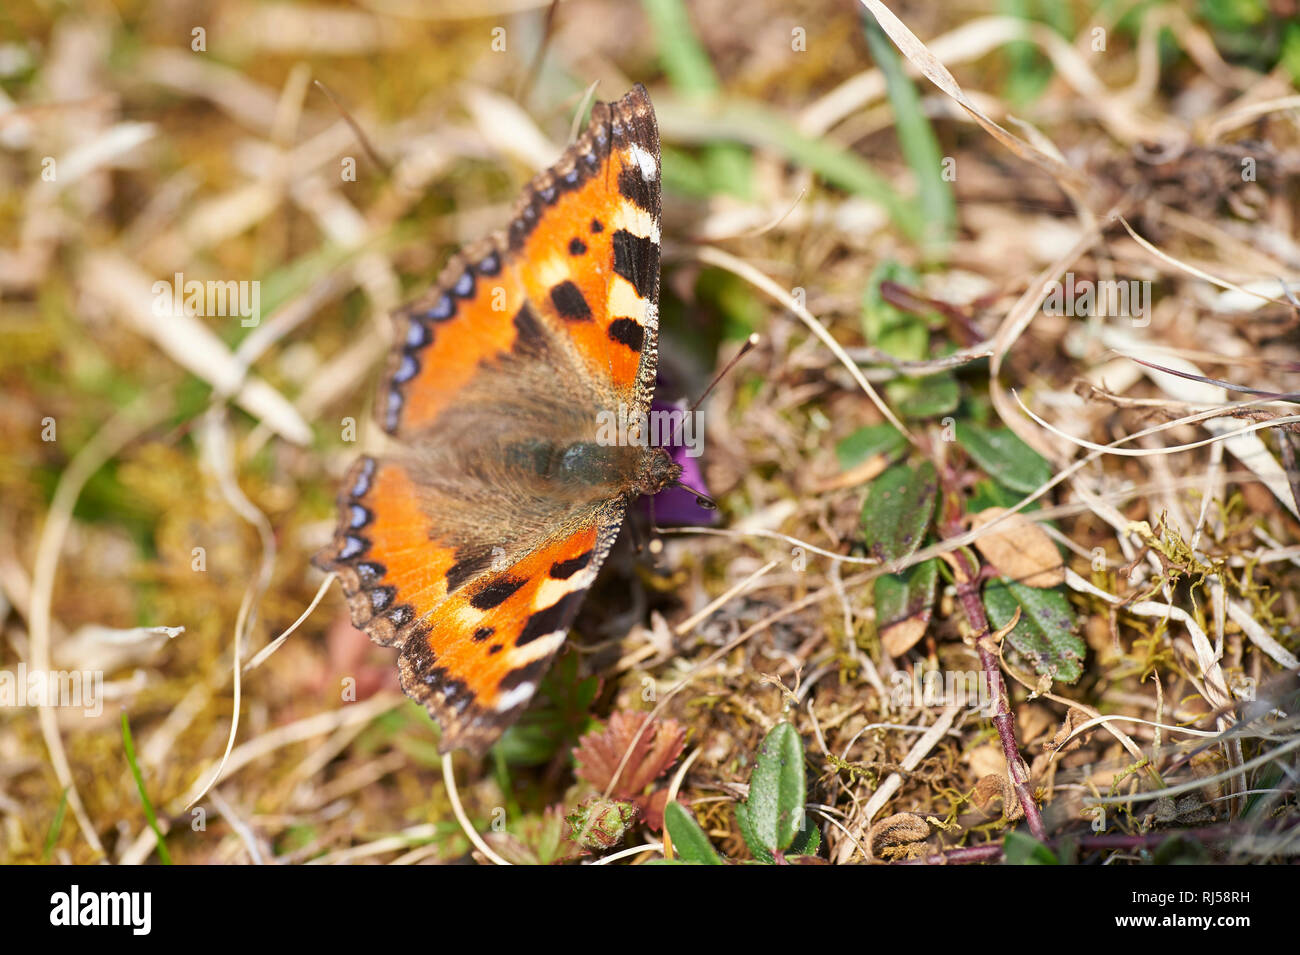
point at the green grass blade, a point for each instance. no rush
(55, 827)
(685, 61)
(917, 140)
(762, 127)
(144, 796)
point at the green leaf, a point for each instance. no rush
(927, 397)
(906, 596)
(916, 139)
(773, 815)
(1290, 58)
(1004, 457)
(1021, 849)
(1028, 71)
(1045, 632)
(1270, 778)
(901, 333)
(807, 842)
(152, 819)
(898, 509)
(989, 493)
(690, 841)
(683, 173)
(874, 439)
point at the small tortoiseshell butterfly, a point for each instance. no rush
(472, 544)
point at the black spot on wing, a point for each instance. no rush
(464, 287)
(358, 516)
(564, 569)
(418, 334)
(636, 259)
(482, 633)
(365, 474)
(627, 331)
(570, 303)
(420, 658)
(636, 189)
(496, 593)
(577, 246)
(552, 619)
(393, 410)
(529, 673)
(407, 368)
(465, 568)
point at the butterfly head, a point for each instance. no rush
(658, 471)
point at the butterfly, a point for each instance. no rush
(470, 546)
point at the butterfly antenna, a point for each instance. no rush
(745, 349)
(701, 498)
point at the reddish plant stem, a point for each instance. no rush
(966, 570)
(991, 852)
(973, 607)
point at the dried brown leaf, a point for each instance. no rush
(899, 829)
(1019, 549)
(1058, 743)
(599, 753)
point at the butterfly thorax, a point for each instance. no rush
(591, 470)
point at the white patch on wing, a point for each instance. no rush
(637, 221)
(536, 649)
(468, 617)
(623, 300)
(552, 591)
(645, 160)
(551, 272)
(512, 698)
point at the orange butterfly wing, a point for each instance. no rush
(526, 333)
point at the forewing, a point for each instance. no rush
(581, 253)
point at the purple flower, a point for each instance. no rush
(677, 505)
